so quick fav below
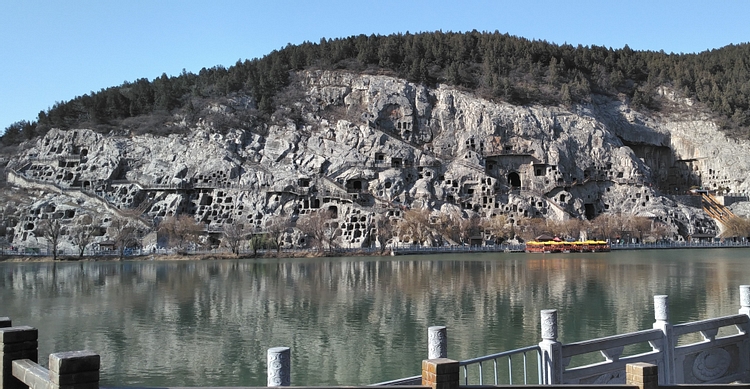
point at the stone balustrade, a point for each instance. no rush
(18, 343)
(20, 370)
(67, 370)
(711, 360)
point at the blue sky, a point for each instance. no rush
(55, 50)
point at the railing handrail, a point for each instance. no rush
(398, 382)
(608, 342)
(415, 386)
(522, 352)
(709, 324)
(499, 355)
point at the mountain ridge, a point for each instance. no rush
(497, 66)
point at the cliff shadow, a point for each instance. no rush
(663, 167)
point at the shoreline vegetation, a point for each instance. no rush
(166, 257)
(291, 254)
(20, 258)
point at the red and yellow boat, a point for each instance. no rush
(553, 246)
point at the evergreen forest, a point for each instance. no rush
(495, 66)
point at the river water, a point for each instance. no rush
(348, 321)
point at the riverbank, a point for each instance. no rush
(360, 252)
(185, 256)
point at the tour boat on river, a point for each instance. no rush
(555, 246)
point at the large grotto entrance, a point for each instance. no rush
(514, 180)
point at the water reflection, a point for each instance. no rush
(348, 321)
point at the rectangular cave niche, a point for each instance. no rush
(590, 211)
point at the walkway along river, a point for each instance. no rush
(349, 321)
(400, 249)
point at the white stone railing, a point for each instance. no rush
(20, 370)
(721, 355)
(67, 370)
(611, 348)
(711, 360)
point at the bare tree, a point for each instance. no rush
(470, 227)
(313, 225)
(181, 230)
(257, 241)
(385, 230)
(449, 227)
(124, 234)
(82, 237)
(276, 230)
(571, 229)
(639, 225)
(615, 226)
(4, 243)
(566, 229)
(52, 230)
(332, 232)
(234, 234)
(530, 228)
(606, 226)
(661, 231)
(587, 229)
(736, 227)
(319, 226)
(415, 226)
(498, 228)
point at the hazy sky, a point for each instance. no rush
(55, 50)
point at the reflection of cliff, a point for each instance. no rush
(348, 322)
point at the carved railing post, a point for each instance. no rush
(67, 370)
(437, 342)
(745, 300)
(552, 364)
(74, 370)
(661, 315)
(744, 348)
(16, 343)
(279, 366)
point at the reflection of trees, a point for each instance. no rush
(347, 321)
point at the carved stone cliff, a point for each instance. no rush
(362, 144)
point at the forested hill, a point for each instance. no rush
(495, 66)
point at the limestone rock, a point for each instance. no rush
(364, 143)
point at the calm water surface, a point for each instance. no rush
(349, 321)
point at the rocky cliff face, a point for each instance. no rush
(364, 144)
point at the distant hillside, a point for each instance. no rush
(496, 66)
